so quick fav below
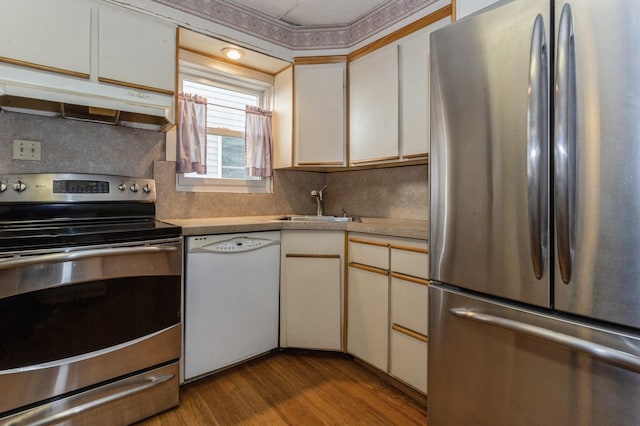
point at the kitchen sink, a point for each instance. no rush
(312, 218)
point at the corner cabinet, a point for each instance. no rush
(311, 288)
(387, 321)
(389, 100)
(319, 99)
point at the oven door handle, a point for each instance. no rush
(15, 262)
(138, 386)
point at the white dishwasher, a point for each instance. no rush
(232, 284)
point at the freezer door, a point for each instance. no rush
(489, 152)
(598, 180)
(492, 364)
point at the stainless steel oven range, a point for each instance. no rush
(90, 300)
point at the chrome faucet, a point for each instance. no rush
(317, 193)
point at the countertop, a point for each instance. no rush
(225, 225)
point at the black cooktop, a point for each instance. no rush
(43, 226)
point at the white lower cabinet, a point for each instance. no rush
(409, 359)
(409, 329)
(410, 302)
(368, 318)
(311, 289)
(313, 302)
(388, 305)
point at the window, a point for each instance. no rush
(227, 94)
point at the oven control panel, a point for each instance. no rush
(72, 187)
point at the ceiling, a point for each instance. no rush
(305, 25)
(312, 12)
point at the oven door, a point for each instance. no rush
(73, 320)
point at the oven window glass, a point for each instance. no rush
(72, 320)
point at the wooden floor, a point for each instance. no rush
(293, 388)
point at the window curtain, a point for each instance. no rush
(258, 142)
(191, 146)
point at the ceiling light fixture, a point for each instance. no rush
(232, 53)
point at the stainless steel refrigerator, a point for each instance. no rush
(534, 314)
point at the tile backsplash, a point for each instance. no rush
(291, 194)
(82, 147)
(79, 147)
(399, 193)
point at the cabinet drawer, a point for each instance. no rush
(410, 303)
(409, 360)
(369, 252)
(410, 260)
(312, 242)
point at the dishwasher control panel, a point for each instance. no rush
(234, 244)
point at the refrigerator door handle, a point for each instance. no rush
(565, 144)
(606, 354)
(537, 142)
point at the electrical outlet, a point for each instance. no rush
(26, 150)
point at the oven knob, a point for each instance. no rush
(135, 187)
(19, 186)
(122, 187)
(146, 188)
(3, 186)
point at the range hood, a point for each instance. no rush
(40, 92)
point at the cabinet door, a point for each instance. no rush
(414, 50)
(136, 50)
(283, 119)
(368, 318)
(415, 108)
(313, 302)
(373, 106)
(54, 35)
(311, 289)
(320, 114)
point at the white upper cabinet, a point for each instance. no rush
(414, 66)
(52, 35)
(415, 99)
(373, 106)
(283, 118)
(320, 114)
(136, 49)
(91, 40)
(389, 100)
